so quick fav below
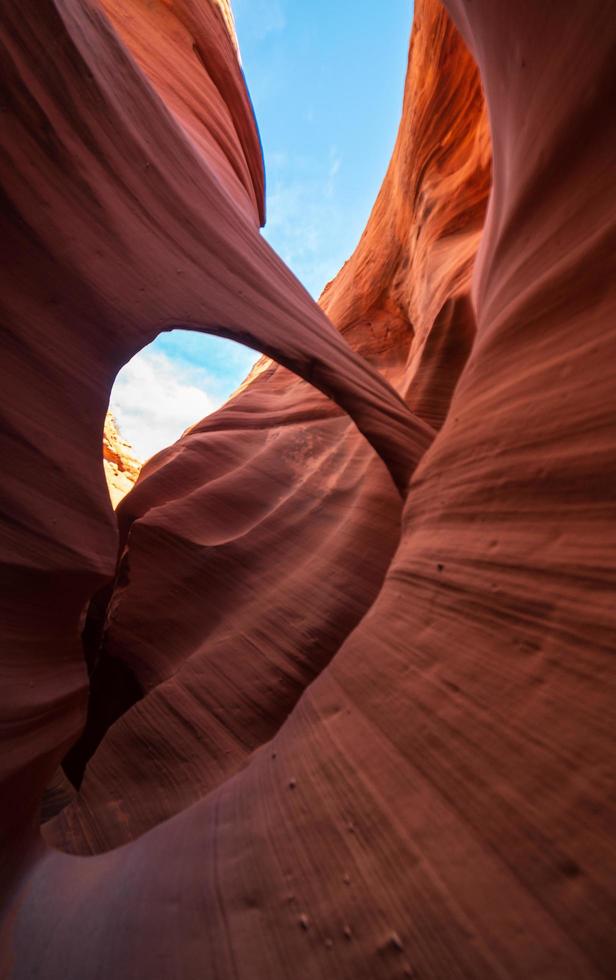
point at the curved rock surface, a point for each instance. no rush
(339, 724)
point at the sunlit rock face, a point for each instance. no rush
(351, 700)
(119, 460)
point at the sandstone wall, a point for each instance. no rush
(351, 702)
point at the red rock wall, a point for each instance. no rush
(118, 224)
(380, 725)
(263, 537)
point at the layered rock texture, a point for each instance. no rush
(333, 696)
(121, 464)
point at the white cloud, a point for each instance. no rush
(155, 398)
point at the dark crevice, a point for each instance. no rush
(113, 689)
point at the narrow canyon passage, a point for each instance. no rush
(333, 685)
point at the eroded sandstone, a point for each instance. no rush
(121, 464)
(350, 712)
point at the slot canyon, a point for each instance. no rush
(330, 694)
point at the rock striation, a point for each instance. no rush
(334, 694)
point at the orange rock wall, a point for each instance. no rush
(343, 724)
(121, 465)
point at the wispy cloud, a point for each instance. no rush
(335, 162)
(304, 219)
(155, 399)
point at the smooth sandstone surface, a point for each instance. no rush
(349, 644)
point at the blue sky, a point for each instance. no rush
(326, 79)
